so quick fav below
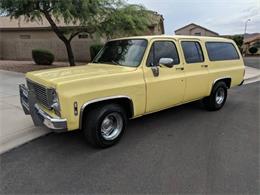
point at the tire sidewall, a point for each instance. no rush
(217, 87)
(104, 111)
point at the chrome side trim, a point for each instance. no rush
(100, 100)
(227, 77)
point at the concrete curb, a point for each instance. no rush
(252, 75)
(21, 137)
(252, 80)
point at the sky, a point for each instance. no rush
(226, 17)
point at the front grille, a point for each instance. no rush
(42, 94)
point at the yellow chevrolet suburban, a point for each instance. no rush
(129, 78)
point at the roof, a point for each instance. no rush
(252, 38)
(195, 27)
(6, 23)
(178, 37)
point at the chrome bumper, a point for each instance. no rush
(39, 117)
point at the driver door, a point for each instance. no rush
(165, 88)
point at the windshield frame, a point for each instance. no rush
(127, 39)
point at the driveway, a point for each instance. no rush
(15, 127)
(181, 150)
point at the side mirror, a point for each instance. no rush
(155, 70)
(168, 62)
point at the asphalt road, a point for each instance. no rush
(253, 62)
(181, 150)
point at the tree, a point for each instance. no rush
(104, 17)
(238, 39)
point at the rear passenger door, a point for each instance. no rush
(196, 70)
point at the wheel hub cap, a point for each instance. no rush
(220, 96)
(111, 126)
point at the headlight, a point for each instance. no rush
(55, 102)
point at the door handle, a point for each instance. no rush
(204, 66)
(179, 68)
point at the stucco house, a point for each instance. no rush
(18, 38)
(251, 41)
(195, 30)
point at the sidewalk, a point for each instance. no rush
(252, 75)
(16, 128)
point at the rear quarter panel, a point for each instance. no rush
(233, 69)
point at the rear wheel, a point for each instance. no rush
(217, 98)
(105, 125)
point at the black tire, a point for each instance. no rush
(93, 124)
(212, 103)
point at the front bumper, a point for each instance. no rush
(39, 116)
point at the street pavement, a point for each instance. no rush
(180, 150)
(253, 62)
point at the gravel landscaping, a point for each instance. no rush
(27, 66)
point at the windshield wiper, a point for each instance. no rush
(109, 62)
(116, 63)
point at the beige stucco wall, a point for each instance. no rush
(192, 30)
(202, 31)
(13, 47)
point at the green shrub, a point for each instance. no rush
(94, 49)
(253, 50)
(42, 57)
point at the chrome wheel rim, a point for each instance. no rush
(220, 96)
(111, 126)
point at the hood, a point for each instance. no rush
(55, 76)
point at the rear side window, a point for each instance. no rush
(192, 51)
(219, 51)
(162, 49)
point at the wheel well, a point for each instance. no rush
(225, 80)
(126, 103)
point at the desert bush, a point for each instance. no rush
(42, 57)
(253, 50)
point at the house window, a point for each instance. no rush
(25, 36)
(83, 36)
(197, 34)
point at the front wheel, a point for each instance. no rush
(105, 125)
(217, 98)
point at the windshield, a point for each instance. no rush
(122, 52)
